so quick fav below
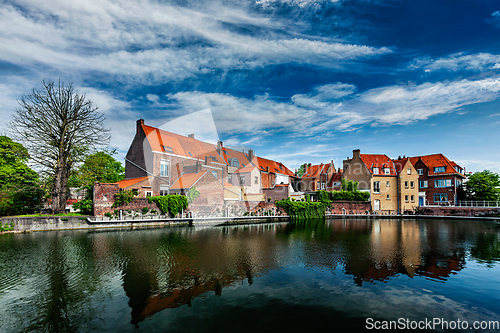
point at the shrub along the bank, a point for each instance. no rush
(302, 210)
(170, 203)
(350, 195)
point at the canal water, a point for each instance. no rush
(327, 276)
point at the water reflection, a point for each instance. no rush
(85, 280)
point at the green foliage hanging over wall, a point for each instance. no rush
(302, 210)
(124, 197)
(170, 203)
(192, 194)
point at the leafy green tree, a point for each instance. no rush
(20, 191)
(98, 167)
(484, 185)
(301, 171)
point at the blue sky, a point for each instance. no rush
(297, 80)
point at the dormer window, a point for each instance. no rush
(234, 162)
(375, 171)
(439, 169)
(387, 171)
(168, 149)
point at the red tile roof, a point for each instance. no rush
(314, 171)
(169, 142)
(274, 167)
(187, 180)
(129, 182)
(379, 161)
(246, 169)
(436, 160)
(229, 154)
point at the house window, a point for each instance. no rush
(442, 183)
(317, 185)
(406, 198)
(256, 180)
(422, 184)
(149, 193)
(375, 171)
(441, 197)
(234, 162)
(376, 187)
(376, 205)
(242, 180)
(458, 183)
(164, 168)
(406, 184)
(230, 179)
(214, 173)
(163, 190)
(408, 171)
(388, 184)
(412, 184)
(323, 185)
(388, 197)
(272, 183)
(439, 169)
(387, 171)
(412, 198)
(420, 171)
(168, 149)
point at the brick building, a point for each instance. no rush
(171, 162)
(389, 182)
(440, 180)
(316, 177)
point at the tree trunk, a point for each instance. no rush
(59, 193)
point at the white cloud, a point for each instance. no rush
(459, 61)
(310, 114)
(148, 41)
(495, 19)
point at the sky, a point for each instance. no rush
(298, 81)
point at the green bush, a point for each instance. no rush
(145, 210)
(302, 210)
(124, 197)
(85, 206)
(170, 203)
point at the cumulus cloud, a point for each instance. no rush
(459, 61)
(309, 114)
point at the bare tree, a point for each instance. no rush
(59, 127)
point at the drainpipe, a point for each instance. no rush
(398, 195)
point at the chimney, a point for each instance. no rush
(219, 147)
(191, 136)
(197, 166)
(305, 167)
(140, 122)
(356, 153)
(399, 158)
(250, 155)
(206, 160)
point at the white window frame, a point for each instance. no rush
(376, 187)
(388, 184)
(408, 171)
(387, 171)
(420, 172)
(164, 168)
(376, 171)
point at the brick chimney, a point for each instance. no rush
(250, 155)
(219, 147)
(191, 136)
(356, 153)
(140, 122)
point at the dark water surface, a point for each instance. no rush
(313, 276)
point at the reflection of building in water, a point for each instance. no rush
(407, 247)
(186, 266)
(174, 268)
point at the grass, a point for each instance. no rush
(48, 215)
